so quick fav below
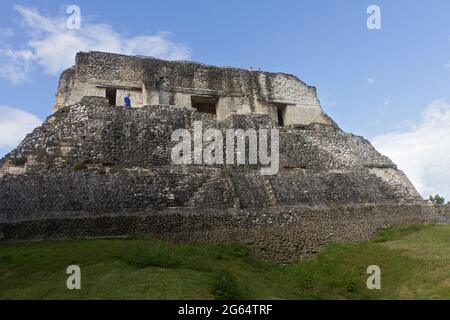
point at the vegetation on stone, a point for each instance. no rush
(437, 199)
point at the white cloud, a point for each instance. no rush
(423, 150)
(15, 124)
(370, 80)
(15, 64)
(53, 47)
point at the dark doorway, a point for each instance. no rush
(280, 117)
(281, 112)
(204, 104)
(111, 95)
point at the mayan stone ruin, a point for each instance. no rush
(95, 168)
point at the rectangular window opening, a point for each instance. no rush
(204, 104)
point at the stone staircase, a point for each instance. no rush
(214, 192)
(272, 199)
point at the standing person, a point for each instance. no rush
(127, 101)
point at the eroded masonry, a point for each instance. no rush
(96, 168)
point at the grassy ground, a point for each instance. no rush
(414, 262)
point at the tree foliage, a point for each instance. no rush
(437, 199)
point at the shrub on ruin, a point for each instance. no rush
(437, 199)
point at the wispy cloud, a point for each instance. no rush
(52, 46)
(14, 125)
(422, 150)
(15, 64)
(370, 80)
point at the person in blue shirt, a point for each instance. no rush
(127, 101)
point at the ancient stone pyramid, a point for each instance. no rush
(96, 168)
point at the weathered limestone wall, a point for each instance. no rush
(91, 74)
(108, 189)
(152, 81)
(304, 115)
(285, 88)
(118, 135)
(115, 68)
(230, 105)
(115, 137)
(319, 158)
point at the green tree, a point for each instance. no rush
(437, 199)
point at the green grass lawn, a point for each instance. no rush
(414, 262)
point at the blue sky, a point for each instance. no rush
(381, 84)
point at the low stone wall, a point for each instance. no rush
(442, 213)
(34, 196)
(283, 234)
